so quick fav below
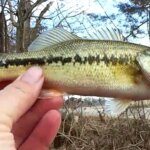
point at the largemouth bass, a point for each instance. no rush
(72, 65)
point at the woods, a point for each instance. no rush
(23, 28)
(19, 18)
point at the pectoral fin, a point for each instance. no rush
(114, 107)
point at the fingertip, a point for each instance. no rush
(53, 117)
(45, 131)
(32, 75)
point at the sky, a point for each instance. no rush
(70, 8)
(83, 8)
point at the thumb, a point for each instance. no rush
(20, 95)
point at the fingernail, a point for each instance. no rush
(32, 75)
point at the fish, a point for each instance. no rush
(72, 65)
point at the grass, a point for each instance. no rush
(103, 133)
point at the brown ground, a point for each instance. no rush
(101, 133)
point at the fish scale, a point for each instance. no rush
(103, 68)
(86, 62)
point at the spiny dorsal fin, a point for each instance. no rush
(110, 34)
(57, 35)
(114, 107)
(50, 38)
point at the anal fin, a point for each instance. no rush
(114, 107)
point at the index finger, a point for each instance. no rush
(19, 96)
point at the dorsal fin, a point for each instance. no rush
(50, 38)
(110, 34)
(57, 35)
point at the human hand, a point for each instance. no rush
(25, 122)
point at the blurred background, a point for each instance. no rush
(84, 122)
(23, 20)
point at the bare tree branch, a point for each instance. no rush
(29, 12)
(38, 21)
(131, 32)
(68, 16)
(42, 17)
(149, 22)
(107, 14)
(65, 19)
(3, 5)
(11, 14)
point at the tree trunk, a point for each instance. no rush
(27, 29)
(149, 23)
(1, 33)
(27, 33)
(20, 28)
(6, 36)
(20, 37)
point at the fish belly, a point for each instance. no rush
(123, 81)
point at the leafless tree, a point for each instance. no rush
(21, 18)
(3, 28)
